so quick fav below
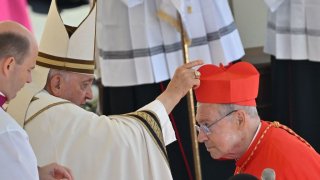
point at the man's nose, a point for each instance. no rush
(202, 137)
(89, 94)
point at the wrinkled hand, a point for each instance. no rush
(183, 80)
(54, 171)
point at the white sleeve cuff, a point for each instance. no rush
(167, 130)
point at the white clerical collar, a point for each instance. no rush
(254, 137)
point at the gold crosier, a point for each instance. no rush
(185, 42)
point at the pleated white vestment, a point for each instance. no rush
(293, 29)
(136, 47)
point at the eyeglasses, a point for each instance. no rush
(205, 128)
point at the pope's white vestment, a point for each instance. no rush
(96, 147)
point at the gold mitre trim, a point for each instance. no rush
(60, 43)
(63, 63)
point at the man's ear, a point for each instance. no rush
(8, 65)
(55, 85)
(241, 118)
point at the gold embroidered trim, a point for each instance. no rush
(49, 61)
(34, 98)
(154, 127)
(152, 123)
(239, 169)
(294, 134)
(275, 124)
(42, 110)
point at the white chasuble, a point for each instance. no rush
(121, 147)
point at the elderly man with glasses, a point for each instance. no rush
(230, 127)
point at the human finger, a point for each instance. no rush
(193, 64)
(62, 172)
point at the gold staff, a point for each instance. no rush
(178, 24)
(192, 119)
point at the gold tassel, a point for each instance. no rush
(173, 22)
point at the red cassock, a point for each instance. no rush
(278, 147)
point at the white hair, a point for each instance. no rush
(250, 110)
(63, 73)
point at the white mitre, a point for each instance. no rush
(61, 47)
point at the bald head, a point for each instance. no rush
(15, 41)
(11, 26)
(18, 53)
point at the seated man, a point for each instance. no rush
(18, 52)
(230, 127)
(130, 146)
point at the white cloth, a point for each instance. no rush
(273, 4)
(293, 30)
(17, 159)
(136, 47)
(97, 147)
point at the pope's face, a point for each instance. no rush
(77, 88)
(224, 135)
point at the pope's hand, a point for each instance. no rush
(183, 80)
